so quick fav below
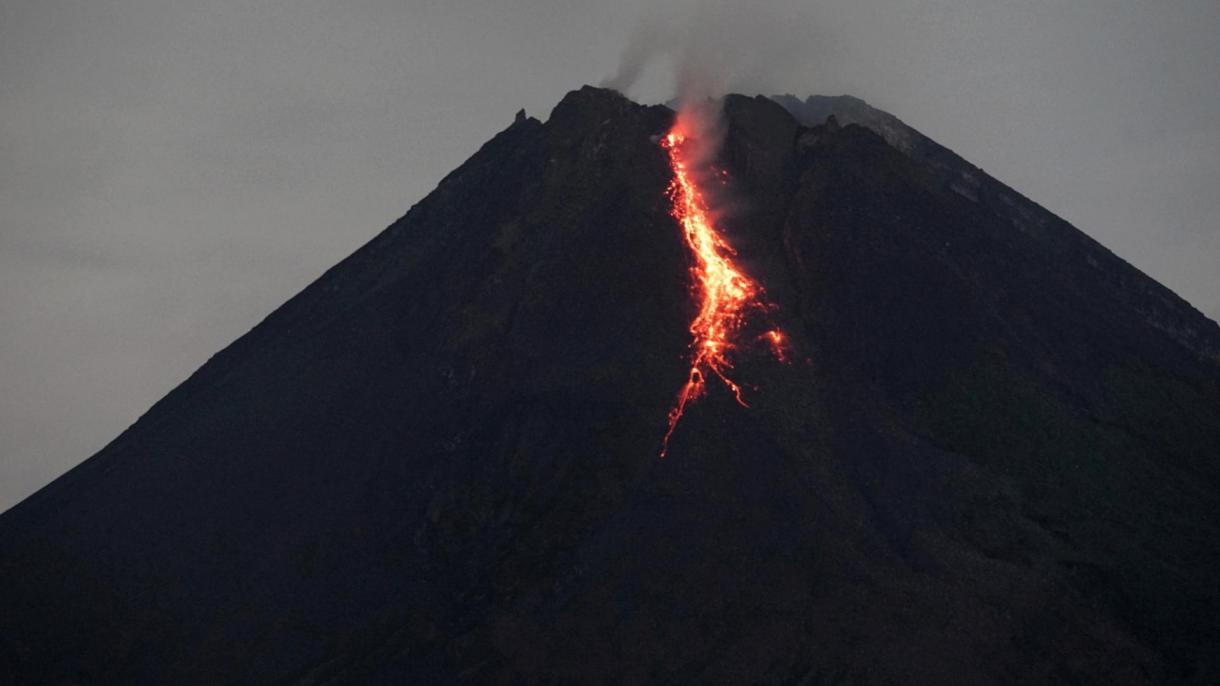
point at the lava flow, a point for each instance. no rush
(726, 293)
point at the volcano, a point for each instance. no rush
(987, 454)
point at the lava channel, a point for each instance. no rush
(726, 294)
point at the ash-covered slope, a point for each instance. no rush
(991, 461)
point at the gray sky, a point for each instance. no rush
(172, 170)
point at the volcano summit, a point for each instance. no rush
(989, 457)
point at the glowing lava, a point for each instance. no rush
(778, 342)
(726, 294)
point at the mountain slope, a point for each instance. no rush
(992, 459)
(1161, 307)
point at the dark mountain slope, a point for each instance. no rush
(1161, 307)
(989, 463)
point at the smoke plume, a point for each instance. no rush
(712, 47)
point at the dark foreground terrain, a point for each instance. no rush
(993, 458)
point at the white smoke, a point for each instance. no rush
(719, 46)
(712, 48)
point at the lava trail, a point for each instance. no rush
(726, 294)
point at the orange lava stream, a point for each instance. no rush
(726, 294)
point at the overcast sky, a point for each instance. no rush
(172, 170)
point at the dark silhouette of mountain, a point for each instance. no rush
(992, 457)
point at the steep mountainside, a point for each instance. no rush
(1161, 307)
(992, 457)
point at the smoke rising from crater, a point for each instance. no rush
(712, 48)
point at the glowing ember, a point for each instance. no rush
(776, 338)
(726, 294)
